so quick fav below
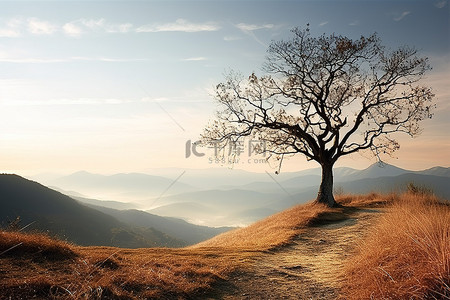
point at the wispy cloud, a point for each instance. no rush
(9, 32)
(323, 23)
(200, 58)
(250, 28)
(440, 4)
(14, 27)
(401, 16)
(120, 28)
(93, 24)
(77, 28)
(231, 38)
(354, 23)
(101, 24)
(11, 29)
(180, 25)
(72, 30)
(41, 27)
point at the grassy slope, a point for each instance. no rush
(406, 255)
(68, 271)
(134, 273)
(268, 233)
(39, 266)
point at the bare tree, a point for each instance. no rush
(325, 97)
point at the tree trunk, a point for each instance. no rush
(325, 194)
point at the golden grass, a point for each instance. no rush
(17, 244)
(406, 255)
(274, 231)
(160, 273)
(368, 200)
(48, 269)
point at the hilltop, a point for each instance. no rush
(416, 264)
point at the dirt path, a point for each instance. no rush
(308, 269)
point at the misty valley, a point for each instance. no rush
(131, 210)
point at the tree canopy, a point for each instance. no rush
(325, 97)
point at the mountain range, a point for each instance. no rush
(46, 210)
(252, 201)
(228, 197)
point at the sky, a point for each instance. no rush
(123, 86)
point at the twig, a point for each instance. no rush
(11, 248)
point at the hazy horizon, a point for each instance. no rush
(163, 171)
(219, 197)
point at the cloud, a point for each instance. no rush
(12, 28)
(8, 32)
(440, 4)
(77, 28)
(252, 27)
(231, 38)
(354, 23)
(93, 24)
(119, 28)
(400, 17)
(323, 23)
(200, 58)
(39, 27)
(180, 25)
(72, 30)
(100, 25)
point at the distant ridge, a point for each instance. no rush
(234, 197)
(60, 215)
(440, 185)
(345, 174)
(437, 171)
(376, 170)
(177, 228)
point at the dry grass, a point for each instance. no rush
(406, 255)
(274, 231)
(29, 270)
(21, 244)
(368, 200)
(40, 267)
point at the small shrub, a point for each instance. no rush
(415, 189)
